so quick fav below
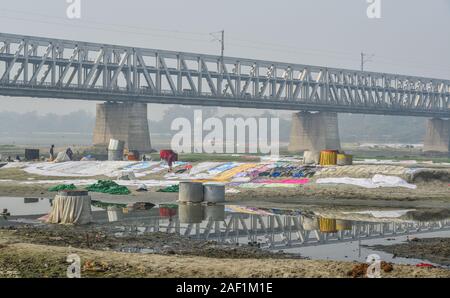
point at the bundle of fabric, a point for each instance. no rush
(62, 157)
(108, 186)
(172, 188)
(71, 207)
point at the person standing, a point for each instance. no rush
(69, 153)
(168, 156)
(52, 152)
(171, 159)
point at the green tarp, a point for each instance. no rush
(62, 187)
(172, 188)
(108, 186)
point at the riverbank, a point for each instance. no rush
(426, 195)
(19, 259)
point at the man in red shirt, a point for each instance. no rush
(169, 156)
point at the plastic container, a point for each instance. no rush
(116, 145)
(344, 159)
(311, 157)
(343, 225)
(328, 157)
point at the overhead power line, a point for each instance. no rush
(205, 38)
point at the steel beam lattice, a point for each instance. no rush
(280, 231)
(55, 68)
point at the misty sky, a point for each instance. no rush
(412, 37)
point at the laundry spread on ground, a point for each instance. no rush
(270, 172)
(374, 182)
(283, 181)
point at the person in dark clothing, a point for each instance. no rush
(17, 157)
(69, 153)
(172, 158)
(52, 152)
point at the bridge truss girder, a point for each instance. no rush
(44, 67)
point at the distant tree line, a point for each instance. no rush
(352, 128)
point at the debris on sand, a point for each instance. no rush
(360, 270)
(94, 266)
(433, 250)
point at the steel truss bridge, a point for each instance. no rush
(277, 231)
(54, 68)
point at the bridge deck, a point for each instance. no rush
(53, 68)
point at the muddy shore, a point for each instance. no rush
(427, 195)
(435, 250)
(42, 252)
(25, 259)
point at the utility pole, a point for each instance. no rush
(365, 58)
(362, 61)
(222, 45)
(221, 40)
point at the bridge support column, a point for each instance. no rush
(437, 138)
(314, 132)
(122, 121)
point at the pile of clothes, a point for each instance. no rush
(108, 186)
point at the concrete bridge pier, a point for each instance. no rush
(437, 137)
(122, 121)
(314, 132)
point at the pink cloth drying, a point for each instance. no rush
(285, 181)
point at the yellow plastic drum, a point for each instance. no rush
(344, 159)
(328, 157)
(343, 225)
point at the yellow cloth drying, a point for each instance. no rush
(227, 175)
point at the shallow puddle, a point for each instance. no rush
(340, 235)
(25, 206)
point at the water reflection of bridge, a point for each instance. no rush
(275, 231)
